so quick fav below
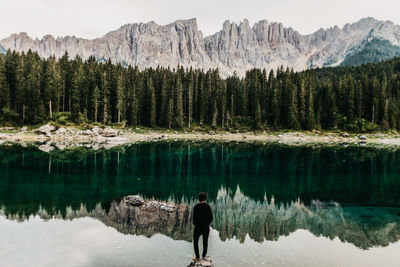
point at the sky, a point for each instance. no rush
(94, 18)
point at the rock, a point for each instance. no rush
(345, 135)
(61, 131)
(9, 128)
(316, 131)
(206, 262)
(211, 133)
(135, 201)
(159, 137)
(47, 147)
(24, 129)
(363, 137)
(96, 131)
(46, 129)
(3, 136)
(87, 133)
(109, 132)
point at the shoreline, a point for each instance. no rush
(110, 137)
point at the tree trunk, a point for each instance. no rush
(50, 110)
(119, 116)
(105, 114)
(373, 114)
(95, 113)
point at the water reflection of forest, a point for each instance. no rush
(239, 216)
(346, 192)
(348, 175)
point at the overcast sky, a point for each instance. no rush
(94, 18)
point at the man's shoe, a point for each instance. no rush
(195, 259)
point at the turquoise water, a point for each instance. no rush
(273, 204)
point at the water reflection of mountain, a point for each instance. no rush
(364, 181)
(352, 175)
(238, 216)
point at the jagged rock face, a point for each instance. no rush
(235, 48)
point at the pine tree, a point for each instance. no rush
(309, 104)
(76, 86)
(302, 103)
(164, 101)
(178, 106)
(51, 86)
(190, 98)
(328, 105)
(96, 102)
(120, 99)
(4, 90)
(151, 103)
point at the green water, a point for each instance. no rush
(267, 200)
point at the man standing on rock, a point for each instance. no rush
(202, 217)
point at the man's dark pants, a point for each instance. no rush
(196, 235)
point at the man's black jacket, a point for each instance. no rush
(202, 216)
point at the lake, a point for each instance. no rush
(273, 205)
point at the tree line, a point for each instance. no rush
(34, 90)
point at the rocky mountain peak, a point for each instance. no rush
(237, 47)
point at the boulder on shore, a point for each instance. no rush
(363, 137)
(206, 262)
(61, 131)
(109, 132)
(46, 129)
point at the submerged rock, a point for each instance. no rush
(47, 147)
(206, 262)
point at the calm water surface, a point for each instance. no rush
(273, 205)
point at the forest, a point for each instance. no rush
(34, 90)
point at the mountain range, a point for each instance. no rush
(236, 48)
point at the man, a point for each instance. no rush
(202, 217)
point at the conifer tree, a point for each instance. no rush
(178, 106)
(151, 102)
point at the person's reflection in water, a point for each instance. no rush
(202, 217)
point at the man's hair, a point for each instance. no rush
(202, 196)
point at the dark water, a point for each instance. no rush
(268, 201)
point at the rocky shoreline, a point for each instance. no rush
(49, 137)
